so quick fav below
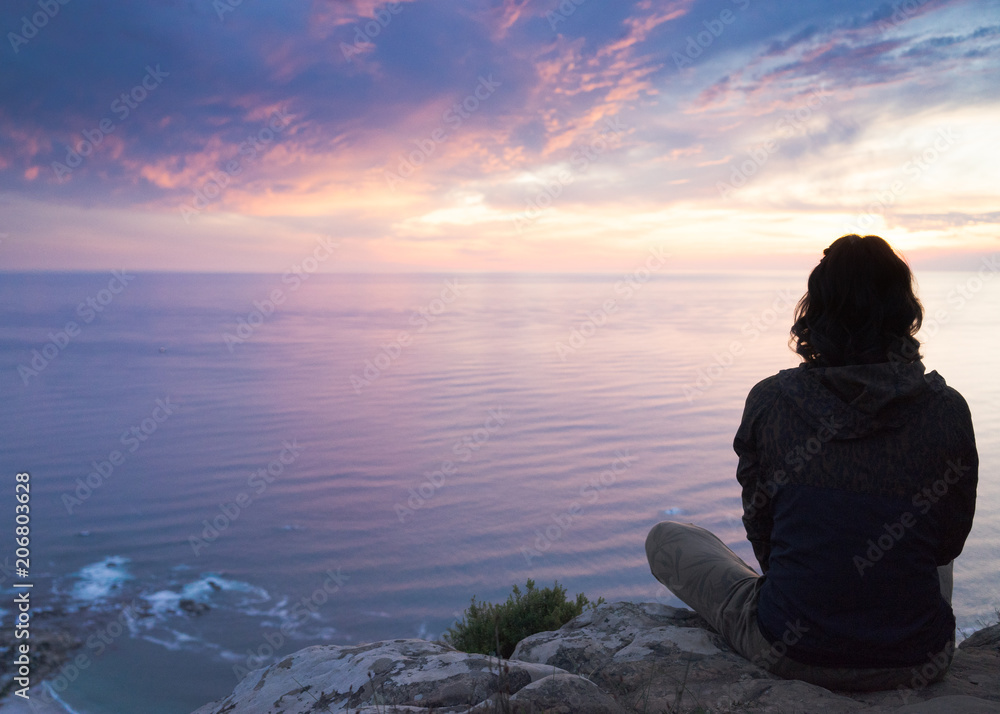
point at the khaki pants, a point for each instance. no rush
(712, 580)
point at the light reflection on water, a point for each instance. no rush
(475, 388)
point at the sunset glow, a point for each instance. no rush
(512, 135)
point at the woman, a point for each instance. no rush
(859, 478)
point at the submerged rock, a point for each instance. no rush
(620, 657)
(193, 607)
(50, 648)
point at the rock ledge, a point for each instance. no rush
(621, 657)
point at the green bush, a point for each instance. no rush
(487, 626)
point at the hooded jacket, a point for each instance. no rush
(858, 482)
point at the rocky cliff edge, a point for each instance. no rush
(620, 657)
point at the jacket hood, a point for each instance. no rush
(856, 400)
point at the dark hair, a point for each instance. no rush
(860, 307)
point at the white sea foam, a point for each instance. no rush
(98, 581)
(173, 646)
(211, 590)
(164, 622)
(59, 700)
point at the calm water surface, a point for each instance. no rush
(358, 462)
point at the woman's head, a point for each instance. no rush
(860, 307)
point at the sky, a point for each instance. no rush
(494, 135)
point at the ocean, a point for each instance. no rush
(227, 468)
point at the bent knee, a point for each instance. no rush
(663, 533)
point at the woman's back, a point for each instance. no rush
(858, 482)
